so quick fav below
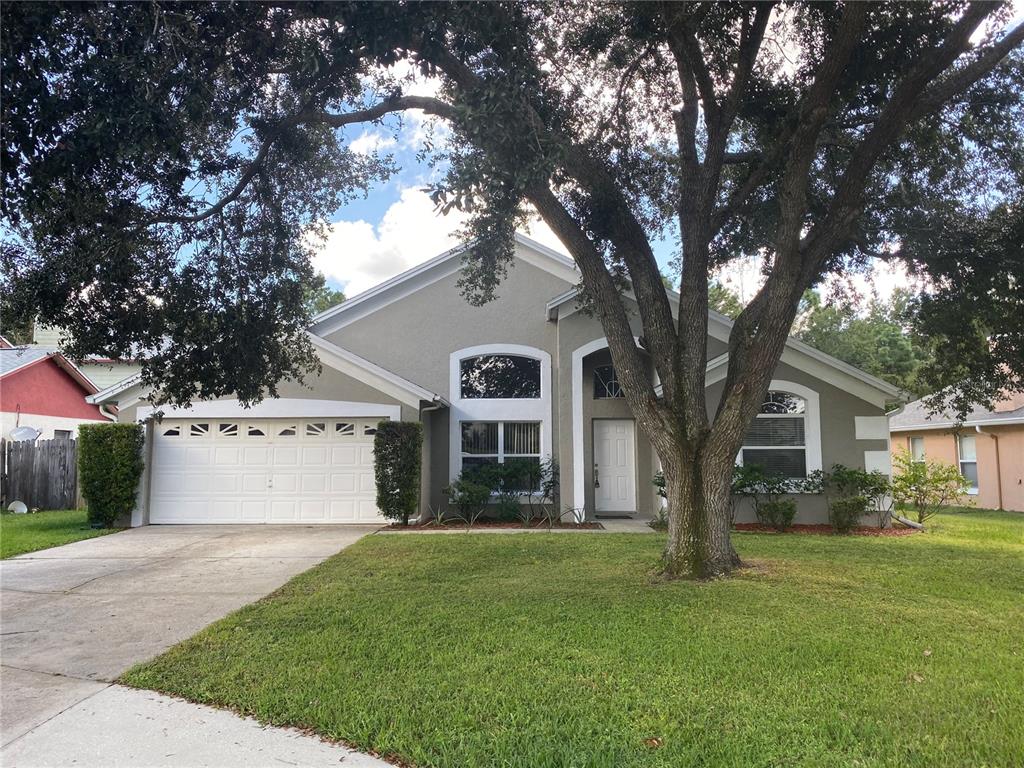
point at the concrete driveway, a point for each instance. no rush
(75, 617)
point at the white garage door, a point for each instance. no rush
(263, 471)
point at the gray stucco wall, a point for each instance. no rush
(838, 437)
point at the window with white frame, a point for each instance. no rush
(967, 453)
(777, 439)
(498, 442)
(917, 449)
(499, 377)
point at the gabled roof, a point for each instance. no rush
(13, 359)
(915, 416)
(427, 273)
(335, 357)
(797, 353)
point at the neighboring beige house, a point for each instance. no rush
(102, 371)
(988, 447)
(526, 376)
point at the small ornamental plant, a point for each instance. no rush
(109, 469)
(925, 487)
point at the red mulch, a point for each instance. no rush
(826, 530)
(503, 524)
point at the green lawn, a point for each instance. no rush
(559, 650)
(41, 530)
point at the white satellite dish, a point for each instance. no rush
(19, 434)
(17, 507)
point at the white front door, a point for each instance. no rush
(614, 465)
(264, 471)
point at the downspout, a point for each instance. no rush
(999, 471)
(106, 413)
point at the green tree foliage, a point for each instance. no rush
(878, 338)
(397, 461)
(321, 297)
(109, 468)
(723, 300)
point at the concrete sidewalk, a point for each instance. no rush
(73, 618)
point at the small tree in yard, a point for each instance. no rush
(198, 150)
(926, 486)
(397, 455)
(109, 468)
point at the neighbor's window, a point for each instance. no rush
(606, 383)
(497, 442)
(500, 377)
(62, 434)
(917, 449)
(777, 440)
(968, 454)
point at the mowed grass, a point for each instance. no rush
(561, 650)
(41, 530)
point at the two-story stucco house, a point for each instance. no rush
(526, 375)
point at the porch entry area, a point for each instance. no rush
(614, 466)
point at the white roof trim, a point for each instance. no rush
(379, 378)
(950, 425)
(114, 389)
(335, 357)
(428, 273)
(294, 408)
(63, 363)
(720, 326)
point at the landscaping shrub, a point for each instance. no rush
(397, 454)
(778, 513)
(109, 467)
(470, 494)
(926, 486)
(845, 513)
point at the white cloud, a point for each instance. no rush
(369, 142)
(358, 255)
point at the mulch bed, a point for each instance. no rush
(500, 524)
(826, 530)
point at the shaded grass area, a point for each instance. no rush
(561, 650)
(20, 534)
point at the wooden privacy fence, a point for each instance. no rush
(43, 474)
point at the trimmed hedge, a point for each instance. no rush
(109, 467)
(397, 455)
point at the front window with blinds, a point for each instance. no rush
(967, 453)
(777, 440)
(499, 442)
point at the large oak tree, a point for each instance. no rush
(165, 167)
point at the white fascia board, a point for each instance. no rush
(950, 425)
(428, 273)
(110, 393)
(374, 298)
(75, 372)
(372, 374)
(274, 408)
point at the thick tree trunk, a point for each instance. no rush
(699, 544)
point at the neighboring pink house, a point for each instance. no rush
(41, 388)
(988, 447)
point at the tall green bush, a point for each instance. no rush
(397, 454)
(926, 486)
(109, 467)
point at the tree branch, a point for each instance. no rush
(397, 104)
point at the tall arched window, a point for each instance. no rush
(777, 439)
